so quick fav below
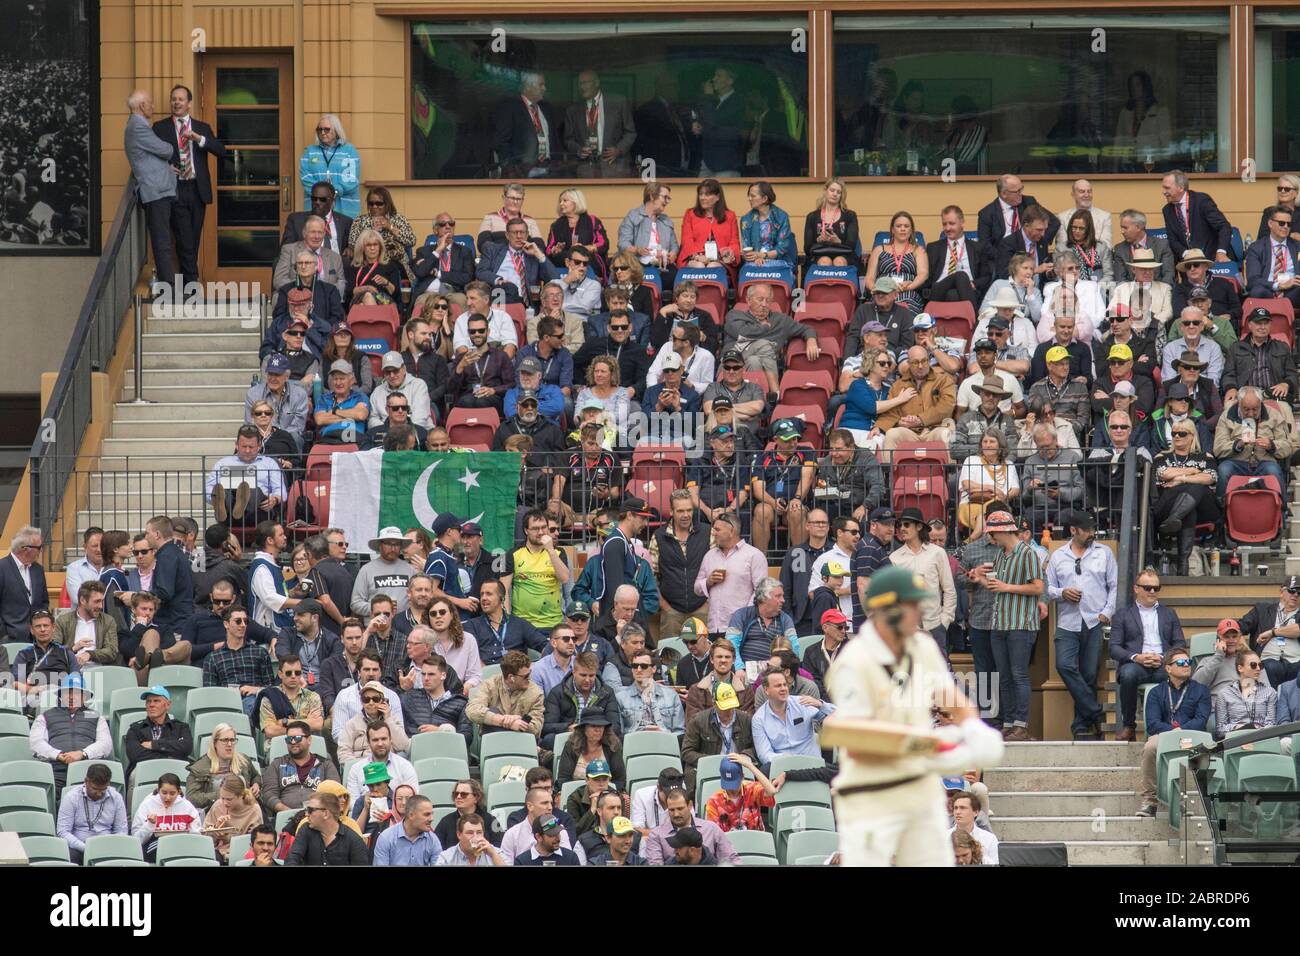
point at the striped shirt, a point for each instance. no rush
(1017, 612)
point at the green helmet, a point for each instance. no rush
(890, 585)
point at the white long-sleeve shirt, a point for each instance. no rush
(172, 819)
(699, 370)
(229, 471)
(400, 770)
(269, 600)
(348, 704)
(501, 328)
(1096, 579)
(101, 749)
(81, 818)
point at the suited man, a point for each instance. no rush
(1003, 215)
(192, 141)
(1032, 238)
(501, 266)
(959, 267)
(89, 633)
(337, 225)
(155, 181)
(1193, 220)
(721, 126)
(173, 579)
(1271, 261)
(605, 118)
(329, 266)
(442, 264)
(1140, 635)
(662, 132)
(1133, 227)
(526, 131)
(22, 583)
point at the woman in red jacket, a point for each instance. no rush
(710, 232)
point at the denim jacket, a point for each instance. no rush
(669, 714)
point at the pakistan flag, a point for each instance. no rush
(377, 489)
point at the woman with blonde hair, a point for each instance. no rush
(574, 227)
(603, 384)
(373, 278)
(394, 230)
(277, 443)
(627, 273)
(222, 760)
(437, 309)
(830, 232)
(235, 812)
(1288, 191)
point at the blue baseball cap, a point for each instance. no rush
(598, 768)
(957, 783)
(75, 682)
(732, 773)
(277, 364)
(157, 690)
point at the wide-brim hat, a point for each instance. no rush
(1193, 257)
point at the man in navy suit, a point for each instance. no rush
(191, 142)
(1002, 216)
(959, 269)
(337, 225)
(1139, 637)
(526, 131)
(22, 585)
(173, 579)
(443, 260)
(721, 127)
(1271, 261)
(1193, 221)
(1032, 238)
(517, 265)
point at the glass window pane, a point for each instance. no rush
(669, 98)
(1277, 86)
(249, 127)
(248, 86)
(239, 207)
(1050, 94)
(247, 247)
(250, 167)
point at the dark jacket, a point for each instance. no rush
(429, 267)
(546, 435)
(703, 738)
(536, 272)
(562, 707)
(1126, 632)
(16, 604)
(992, 228)
(519, 635)
(795, 584)
(174, 744)
(445, 831)
(1225, 299)
(562, 857)
(897, 322)
(204, 629)
(1239, 365)
(335, 675)
(1258, 619)
(1210, 231)
(218, 567)
(289, 641)
(1142, 346)
(165, 130)
(296, 220)
(514, 139)
(173, 582)
(816, 662)
(677, 571)
(569, 761)
(1258, 265)
(633, 360)
(1081, 361)
(309, 849)
(326, 310)
(418, 710)
(976, 252)
(1193, 707)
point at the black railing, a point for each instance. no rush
(94, 339)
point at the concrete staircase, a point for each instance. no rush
(195, 373)
(1083, 795)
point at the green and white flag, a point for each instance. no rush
(376, 489)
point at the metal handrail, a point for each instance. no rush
(90, 348)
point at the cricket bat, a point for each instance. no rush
(879, 737)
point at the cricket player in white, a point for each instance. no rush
(892, 810)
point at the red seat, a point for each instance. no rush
(827, 327)
(662, 463)
(929, 494)
(920, 478)
(781, 293)
(822, 310)
(374, 324)
(315, 489)
(955, 320)
(320, 460)
(655, 295)
(472, 425)
(828, 360)
(1283, 326)
(813, 417)
(838, 292)
(806, 387)
(519, 315)
(1253, 506)
(655, 493)
(712, 298)
(757, 376)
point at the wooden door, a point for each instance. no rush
(248, 98)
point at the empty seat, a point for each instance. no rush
(752, 843)
(175, 846)
(466, 425)
(439, 745)
(30, 773)
(116, 846)
(441, 768)
(41, 849)
(802, 844)
(806, 387)
(654, 462)
(27, 823)
(1253, 508)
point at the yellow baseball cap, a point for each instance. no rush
(833, 569)
(619, 826)
(1058, 353)
(1121, 352)
(724, 697)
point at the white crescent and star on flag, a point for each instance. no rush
(423, 508)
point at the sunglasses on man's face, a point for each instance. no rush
(295, 738)
(221, 602)
(1117, 427)
(141, 551)
(399, 408)
(732, 368)
(443, 223)
(1181, 662)
(1150, 588)
(619, 328)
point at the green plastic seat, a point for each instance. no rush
(439, 791)
(753, 842)
(673, 643)
(114, 846)
(149, 771)
(491, 670)
(506, 793)
(1177, 762)
(781, 763)
(191, 861)
(180, 845)
(441, 768)
(27, 823)
(642, 742)
(51, 863)
(492, 766)
(804, 794)
(105, 682)
(118, 861)
(1202, 645)
(14, 648)
(77, 773)
(805, 843)
(806, 646)
(24, 797)
(439, 745)
(240, 845)
(502, 742)
(206, 700)
(30, 773)
(11, 701)
(566, 790)
(750, 859)
(15, 748)
(813, 860)
(41, 849)
(1232, 756)
(14, 725)
(798, 818)
(561, 739)
(649, 766)
(180, 679)
(1265, 773)
(283, 817)
(1171, 744)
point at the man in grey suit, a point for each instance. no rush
(330, 265)
(598, 130)
(155, 178)
(1133, 227)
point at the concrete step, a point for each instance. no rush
(132, 515)
(163, 502)
(1174, 589)
(222, 304)
(252, 323)
(159, 461)
(178, 393)
(205, 427)
(111, 484)
(1095, 826)
(201, 358)
(1046, 804)
(235, 341)
(1128, 853)
(186, 375)
(172, 446)
(178, 411)
(1060, 779)
(1064, 753)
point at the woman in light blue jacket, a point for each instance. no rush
(765, 234)
(334, 159)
